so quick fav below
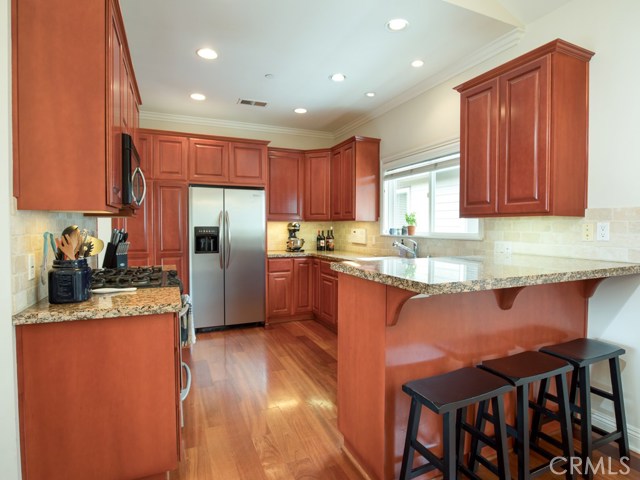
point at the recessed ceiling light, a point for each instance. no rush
(300, 110)
(207, 53)
(370, 94)
(397, 24)
(417, 63)
(268, 76)
(338, 77)
(198, 96)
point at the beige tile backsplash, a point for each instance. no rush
(27, 228)
(549, 236)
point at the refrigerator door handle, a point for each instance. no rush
(221, 255)
(228, 231)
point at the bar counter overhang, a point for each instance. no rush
(403, 319)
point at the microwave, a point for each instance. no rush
(134, 185)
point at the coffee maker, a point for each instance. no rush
(294, 244)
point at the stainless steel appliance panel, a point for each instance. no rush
(245, 244)
(206, 209)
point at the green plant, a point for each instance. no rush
(410, 218)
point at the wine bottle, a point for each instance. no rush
(330, 241)
(318, 238)
(322, 241)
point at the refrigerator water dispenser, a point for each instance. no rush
(206, 239)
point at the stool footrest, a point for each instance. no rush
(606, 438)
(469, 473)
(488, 465)
(434, 462)
(550, 440)
(482, 437)
(602, 393)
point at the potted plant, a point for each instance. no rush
(410, 218)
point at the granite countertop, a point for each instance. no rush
(442, 275)
(144, 301)
(337, 255)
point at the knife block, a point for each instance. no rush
(109, 256)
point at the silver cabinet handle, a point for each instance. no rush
(228, 229)
(185, 391)
(221, 250)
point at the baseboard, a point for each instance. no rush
(355, 462)
(607, 422)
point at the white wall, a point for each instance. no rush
(610, 30)
(9, 444)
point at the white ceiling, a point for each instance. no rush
(300, 43)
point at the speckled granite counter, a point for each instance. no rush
(442, 275)
(144, 301)
(337, 255)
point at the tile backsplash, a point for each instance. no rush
(549, 236)
(27, 228)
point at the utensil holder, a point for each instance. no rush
(122, 260)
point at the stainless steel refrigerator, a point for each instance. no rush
(227, 242)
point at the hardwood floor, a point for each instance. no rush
(263, 406)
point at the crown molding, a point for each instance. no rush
(492, 49)
(214, 122)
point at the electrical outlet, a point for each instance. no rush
(602, 232)
(502, 248)
(31, 266)
(587, 232)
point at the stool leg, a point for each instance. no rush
(461, 416)
(618, 404)
(522, 427)
(536, 422)
(500, 433)
(476, 446)
(565, 422)
(585, 421)
(412, 435)
(449, 460)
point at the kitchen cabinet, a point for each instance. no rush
(144, 146)
(170, 157)
(355, 174)
(170, 227)
(285, 184)
(248, 163)
(524, 133)
(315, 286)
(302, 293)
(68, 104)
(140, 230)
(328, 296)
(208, 161)
(317, 185)
(99, 398)
(279, 287)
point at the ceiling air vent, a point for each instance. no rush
(254, 103)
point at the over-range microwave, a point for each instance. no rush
(134, 185)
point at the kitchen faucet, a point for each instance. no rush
(412, 252)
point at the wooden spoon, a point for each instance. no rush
(67, 246)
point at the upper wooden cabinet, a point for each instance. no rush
(285, 184)
(248, 163)
(170, 157)
(355, 174)
(74, 93)
(524, 134)
(317, 185)
(208, 161)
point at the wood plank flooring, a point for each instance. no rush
(263, 406)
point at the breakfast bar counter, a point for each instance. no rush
(403, 319)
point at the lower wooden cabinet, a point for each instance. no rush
(299, 288)
(99, 398)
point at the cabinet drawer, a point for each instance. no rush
(325, 268)
(280, 265)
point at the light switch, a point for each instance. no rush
(358, 235)
(31, 266)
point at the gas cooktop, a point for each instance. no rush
(140, 277)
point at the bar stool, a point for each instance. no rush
(449, 395)
(521, 370)
(582, 353)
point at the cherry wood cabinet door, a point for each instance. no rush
(208, 161)
(347, 181)
(248, 164)
(328, 299)
(302, 282)
(524, 155)
(285, 184)
(140, 230)
(336, 184)
(479, 110)
(315, 286)
(144, 145)
(117, 98)
(170, 157)
(317, 186)
(170, 227)
(280, 293)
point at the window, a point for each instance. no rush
(431, 189)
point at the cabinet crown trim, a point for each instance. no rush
(556, 46)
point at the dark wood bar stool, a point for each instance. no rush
(582, 353)
(449, 395)
(521, 370)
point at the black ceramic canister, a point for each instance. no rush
(69, 281)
